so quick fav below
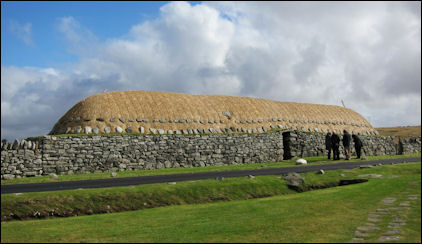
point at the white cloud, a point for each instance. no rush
(22, 31)
(81, 40)
(367, 54)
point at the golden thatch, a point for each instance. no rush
(131, 110)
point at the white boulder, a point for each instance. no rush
(301, 161)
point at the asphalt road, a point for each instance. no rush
(127, 181)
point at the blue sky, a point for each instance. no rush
(54, 54)
(48, 47)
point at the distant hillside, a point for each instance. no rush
(402, 131)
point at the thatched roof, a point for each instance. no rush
(131, 110)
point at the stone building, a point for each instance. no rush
(167, 113)
(192, 131)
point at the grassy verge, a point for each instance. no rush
(92, 176)
(117, 199)
(327, 215)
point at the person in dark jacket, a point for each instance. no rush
(335, 143)
(328, 144)
(346, 144)
(358, 144)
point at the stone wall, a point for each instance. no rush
(127, 152)
(305, 144)
(67, 155)
(21, 158)
(409, 145)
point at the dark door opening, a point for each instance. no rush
(286, 146)
(399, 147)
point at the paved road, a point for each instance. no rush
(127, 181)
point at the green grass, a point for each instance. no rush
(326, 215)
(117, 199)
(92, 176)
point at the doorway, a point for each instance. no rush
(286, 146)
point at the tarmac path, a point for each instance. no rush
(138, 180)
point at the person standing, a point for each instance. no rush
(358, 144)
(346, 143)
(328, 144)
(335, 143)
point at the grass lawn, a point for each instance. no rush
(325, 215)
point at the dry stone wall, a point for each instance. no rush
(68, 155)
(409, 145)
(304, 144)
(128, 152)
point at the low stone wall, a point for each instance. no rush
(117, 153)
(409, 145)
(21, 158)
(67, 155)
(305, 144)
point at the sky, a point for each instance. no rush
(54, 54)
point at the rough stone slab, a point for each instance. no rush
(394, 226)
(389, 200)
(371, 175)
(389, 238)
(357, 240)
(361, 234)
(393, 232)
(373, 215)
(399, 215)
(370, 224)
(367, 228)
(382, 211)
(373, 220)
(399, 220)
(397, 223)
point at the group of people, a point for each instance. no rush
(332, 143)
